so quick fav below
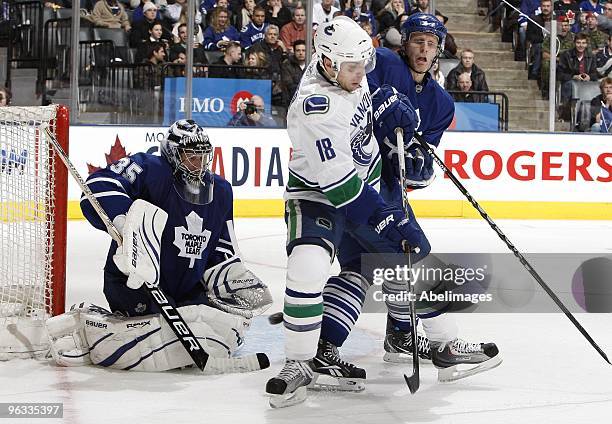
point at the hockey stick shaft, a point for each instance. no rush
(412, 381)
(511, 246)
(169, 312)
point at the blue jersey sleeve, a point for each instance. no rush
(225, 247)
(442, 118)
(117, 186)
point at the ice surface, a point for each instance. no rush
(549, 374)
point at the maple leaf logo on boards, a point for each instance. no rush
(117, 152)
(193, 240)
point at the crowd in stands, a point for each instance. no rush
(270, 34)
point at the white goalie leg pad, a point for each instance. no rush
(68, 344)
(148, 343)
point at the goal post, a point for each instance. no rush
(33, 220)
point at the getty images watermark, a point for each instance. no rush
(431, 284)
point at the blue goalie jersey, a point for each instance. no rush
(196, 237)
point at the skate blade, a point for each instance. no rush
(288, 399)
(337, 384)
(402, 358)
(450, 374)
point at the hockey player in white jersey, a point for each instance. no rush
(332, 201)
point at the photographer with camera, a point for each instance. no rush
(252, 113)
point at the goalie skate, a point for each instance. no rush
(459, 359)
(289, 386)
(398, 346)
(328, 363)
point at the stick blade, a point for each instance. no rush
(412, 382)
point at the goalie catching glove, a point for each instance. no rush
(138, 257)
(233, 288)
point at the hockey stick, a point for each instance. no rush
(413, 381)
(169, 312)
(505, 239)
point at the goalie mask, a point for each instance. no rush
(188, 150)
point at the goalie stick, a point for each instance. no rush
(412, 381)
(172, 316)
(509, 244)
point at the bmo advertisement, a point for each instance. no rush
(215, 100)
(512, 175)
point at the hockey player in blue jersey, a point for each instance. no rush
(404, 95)
(198, 262)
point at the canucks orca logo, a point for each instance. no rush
(361, 143)
(329, 30)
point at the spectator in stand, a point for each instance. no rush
(140, 29)
(450, 46)
(172, 12)
(293, 68)
(156, 35)
(535, 36)
(199, 36)
(564, 7)
(276, 53)
(218, 35)
(181, 46)
(245, 15)
(358, 11)
(5, 96)
(219, 4)
(576, 64)
(528, 8)
(597, 39)
(601, 108)
(367, 27)
(591, 6)
(438, 75)
(389, 14)
(139, 12)
(323, 12)
(156, 56)
(294, 30)
(581, 24)
(110, 14)
(464, 86)
(252, 114)
(421, 6)
(479, 80)
(277, 14)
(229, 60)
(603, 59)
(565, 38)
(254, 31)
(605, 21)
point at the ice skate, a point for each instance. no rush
(328, 363)
(398, 346)
(459, 359)
(289, 386)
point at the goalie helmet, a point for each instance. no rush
(343, 40)
(188, 150)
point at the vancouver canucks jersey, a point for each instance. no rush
(195, 237)
(335, 152)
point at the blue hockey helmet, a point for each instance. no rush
(188, 150)
(424, 22)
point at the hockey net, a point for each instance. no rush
(33, 215)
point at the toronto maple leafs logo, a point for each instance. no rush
(360, 143)
(193, 240)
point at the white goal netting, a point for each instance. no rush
(27, 210)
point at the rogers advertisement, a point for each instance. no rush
(506, 167)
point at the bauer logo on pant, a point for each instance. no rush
(193, 240)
